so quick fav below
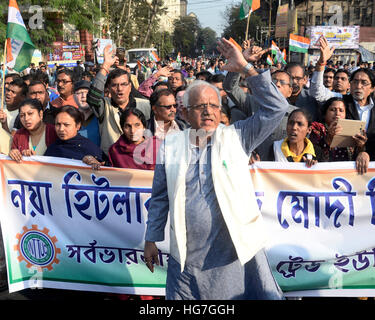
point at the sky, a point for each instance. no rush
(209, 12)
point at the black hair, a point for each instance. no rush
(33, 103)
(73, 112)
(328, 103)
(18, 82)
(68, 72)
(41, 76)
(27, 77)
(118, 72)
(37, 82)
(368, 71)
(155, 96)
(128, 111)
(205, 74)
(295, 64)
(226, 110)
(12, 75)
(306, 114)
(87, 74)
(217, 78)
(284, 72)
(343, 71)
(327, 70)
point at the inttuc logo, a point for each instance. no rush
(37, 248)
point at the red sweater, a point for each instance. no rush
(21, 138)
(123, 154)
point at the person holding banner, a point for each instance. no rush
(35, 136)
(70, 144)
(202, 179)
(132, 150)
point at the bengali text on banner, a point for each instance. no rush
(67, 226)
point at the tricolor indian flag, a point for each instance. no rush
(298, 43)
(141, 66)
(279, 57)
(248, 6)
(178, 59)
(154, 56)
(269, 60)
(20, 48)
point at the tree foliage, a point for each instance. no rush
(81, 13)
(190, 39)
(135, 23)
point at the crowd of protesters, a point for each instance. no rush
(109, 115)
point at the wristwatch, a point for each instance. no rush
(248, 67)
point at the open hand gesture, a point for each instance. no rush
(325, 50)
(109, 57)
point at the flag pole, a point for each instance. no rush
(247, 26)
(3, 82)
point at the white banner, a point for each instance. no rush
(67, 226)
(339, 37)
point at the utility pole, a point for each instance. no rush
(306, 18)
(269, 19)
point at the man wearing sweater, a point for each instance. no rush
(108, 110)
(202, 179)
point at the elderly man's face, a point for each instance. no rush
(282, 82)
(165, 108)
(361, 87)
(204, 110)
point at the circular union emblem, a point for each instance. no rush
(37, 248)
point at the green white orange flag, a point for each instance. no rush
(20, 48)
(248, 6)
(279, 57)
(141, 66)
(269, 60)
(298, 43)
(154, 57)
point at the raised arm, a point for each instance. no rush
(273, 105)
(317, 88)
(95, 96)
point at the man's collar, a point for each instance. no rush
(370, 105)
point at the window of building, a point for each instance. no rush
(317, 20)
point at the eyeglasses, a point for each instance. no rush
(203, 106)
(298, 79)
(64, 82)
(168, 107)
(282, 82)
(363, 83)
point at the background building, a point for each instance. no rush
(175, 10)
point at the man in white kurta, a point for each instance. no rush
(202, 180)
